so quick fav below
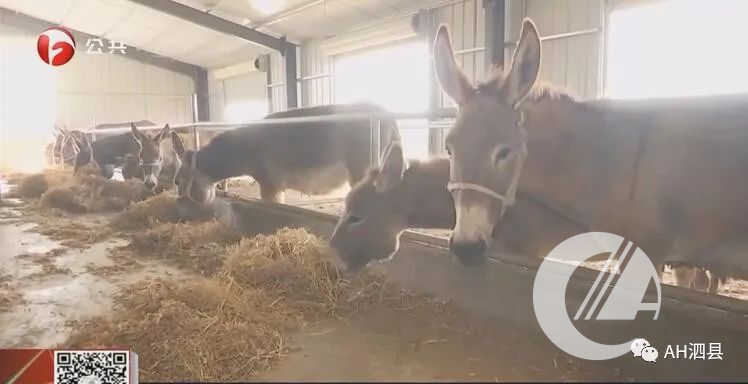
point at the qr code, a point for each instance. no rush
(91, 367)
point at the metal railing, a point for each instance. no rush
(434, 120)
(439, 119)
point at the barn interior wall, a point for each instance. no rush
(216, 97)
(244, 97)
(572, 62)
(112, 88)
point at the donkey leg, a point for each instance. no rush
(684, 276)
(714, 280)
(701, 281)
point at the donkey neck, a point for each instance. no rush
(220, 160)
(581, 159)
(423, 195)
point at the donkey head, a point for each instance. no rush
(150, 157)
(370, 226)
(85, 152)
(487, 142)
(191, 183)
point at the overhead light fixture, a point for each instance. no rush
(268, 7)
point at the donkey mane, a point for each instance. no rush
(541, 91)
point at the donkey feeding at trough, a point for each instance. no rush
(140, 155)
(405, 194)
(655, 172)
(310, 157)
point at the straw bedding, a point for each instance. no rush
(235, 323)
(84, 192)
(55, 197)
(231, 319)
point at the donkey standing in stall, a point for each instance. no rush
(652, 171)
(311, 157)
(138, 154)
(413, 194)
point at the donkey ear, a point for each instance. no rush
(451, 78)
(136, 133)
(162, 134)
(393, 168)
(177, 144)
(525, 64)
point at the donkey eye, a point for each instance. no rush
(502, 154)
(353, 219)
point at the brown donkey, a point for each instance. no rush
(652, 171)
(402, 195)
(157, 162)
(140, 155)
(310, 157)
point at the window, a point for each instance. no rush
(394, 77)
(677, 48)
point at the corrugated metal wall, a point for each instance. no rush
(466, 21)
(572, 61)
(316, 75)
(277, 80)
(112, 88)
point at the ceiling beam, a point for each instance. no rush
(31, 24)
(215, 23)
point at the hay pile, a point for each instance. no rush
(296, 266)
(34, 185)
(53, 195)
(162, 208)
(85, 192)
(196, 246)
(235, 324)
(93, 193)
(197, 330)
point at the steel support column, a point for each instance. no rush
(495, 24)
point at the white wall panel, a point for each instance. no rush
(112, 88)
(215, 97)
